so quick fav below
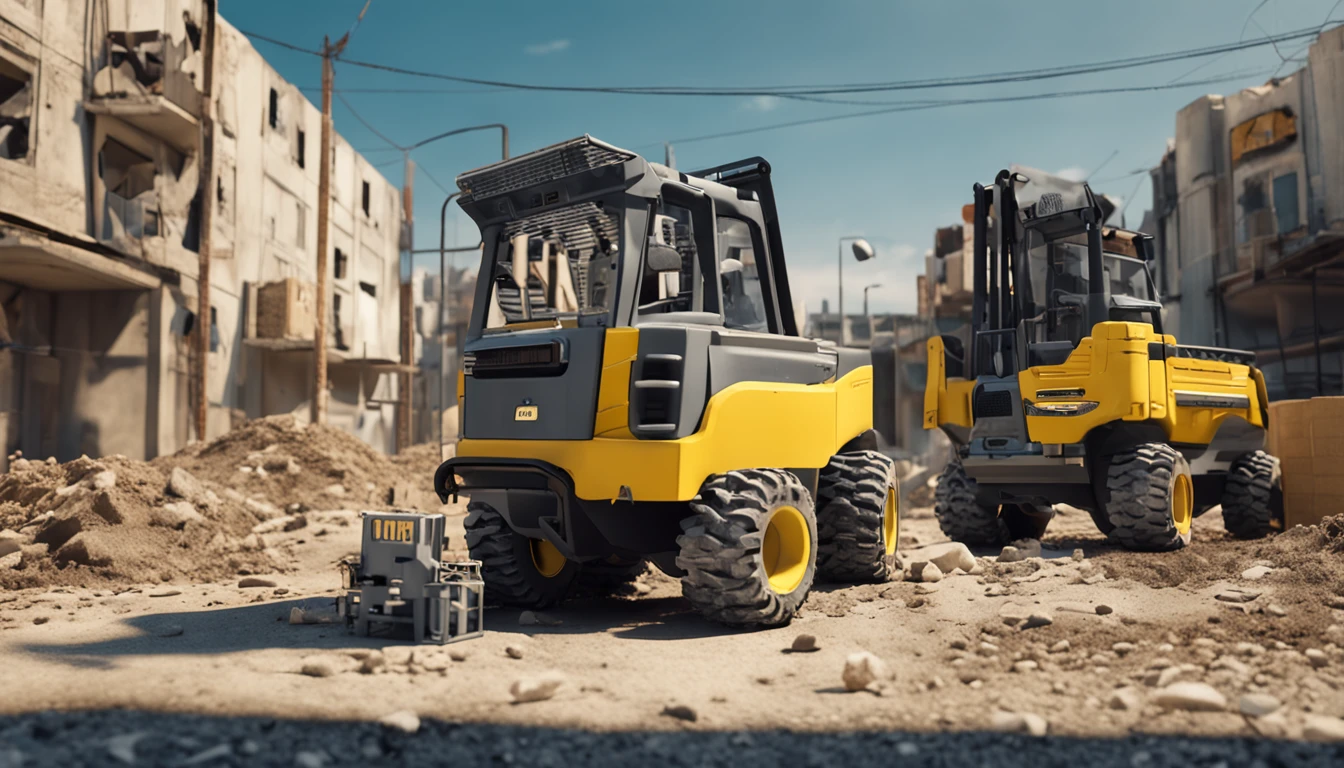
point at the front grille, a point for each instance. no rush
(991, 405)
(532, 360)
(555, 162)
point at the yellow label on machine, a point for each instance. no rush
(393, 530)
(525, 413)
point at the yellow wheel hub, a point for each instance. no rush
(1182, 504)
(547, 559)
(890, 528)
(787, 549)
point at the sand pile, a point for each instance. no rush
(117, 520)
(312, 466)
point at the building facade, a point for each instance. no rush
(1249, 219)
(100, 234)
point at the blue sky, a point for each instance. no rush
(893, 178)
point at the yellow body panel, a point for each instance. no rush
(946, 401)
(747, 425)
(620, 346)
(1113, 369)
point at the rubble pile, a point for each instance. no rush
(198, 515)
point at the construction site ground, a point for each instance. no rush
(1085, 642)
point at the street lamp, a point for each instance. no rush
(865, 296)
(862, 252)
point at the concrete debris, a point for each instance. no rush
(1024, 666)
(1323, 728)
(925, 572)
(1127, 698)
(175, 514)
(1020, 550)
(681, 712)
(405, 721)
(1256, 572)
(948, 556)
(11, 561)
(540, 688)
(1191, 697)
(1317, 657)
(1060, 647)
(248, 582)
(1232, 665)
(1038, 619)
(318, 666)
(1235, 595)
(165, 592)
(183, 484)
(863, 669)
(1011, 554)
(1258, 704)
(1018, 722)
(804, 644)
(1274, 609)
(1123, 649)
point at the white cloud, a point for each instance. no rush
(546, 48)
(761, 103)
(1072, 173)
(895, 268)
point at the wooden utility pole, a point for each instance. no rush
(407, 342)
(206, 193)
(319, 403)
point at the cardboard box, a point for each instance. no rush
(1308, 438)
(286, 310)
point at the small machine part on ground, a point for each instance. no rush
(635, 390)
(1069, 392)
(400, 580)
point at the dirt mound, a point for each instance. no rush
(312, 466)
(117, 521)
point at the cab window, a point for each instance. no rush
(744, 305)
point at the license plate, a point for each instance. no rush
(525, 413)
(399, 531)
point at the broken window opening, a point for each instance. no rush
(300, 236)
(300, 150)
(214, 329)
(142, 53)
(193, 30)
(336, 322)
(274, 114)
(341, 263)
(1257, 218)
(368, 288)
(1285, 203)
(16, 111)
(130, 204)
(365, 198)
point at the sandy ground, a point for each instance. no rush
(956, 648)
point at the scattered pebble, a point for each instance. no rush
(1060, 647)
(1256, 572)
(254, 581)
(680, 712)
(318, 666)
(1104, 610)
(513, 652)
(925, 572)
(804, 644)
(1258, 704)
(405, 721)
(540, 688)
(1317, 658)
(165, 592)
(1192, 697)
(1323, 728)
(1039, 619)
(864, 669)
(1127, 698)
(948, 556)
(40, 620)
(1018, 722)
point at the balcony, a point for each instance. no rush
(150, 82)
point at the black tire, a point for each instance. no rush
(960, 516)
(726, 542)
(1253, 496)
(508, 566)
(853, 495)
(1144, 504)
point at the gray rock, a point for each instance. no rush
(1104, 610)
(1323, 728)
(948, 556)
(1256, 572)
(175, 514)
(310, 759)
(804, 644)
(1234, 595)
(513, 652)
(122, 747)
(405, 721)
(863, 669)
(681, 712)
(248, 582)
(1317, 658)
(1258, 704)
(1038, 619)
(1191, 697)
(183, 484)
(540, 688)
(1018, 722)
(1127, 698)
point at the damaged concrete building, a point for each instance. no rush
(100, 216)
(1248, 206)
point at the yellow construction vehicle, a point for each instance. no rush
(635, 389)
(1069, 392)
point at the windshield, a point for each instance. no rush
(1125, 276)
(566, 257)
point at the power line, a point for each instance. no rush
(920, 106)
(1108, 159)
(794, 91)
(369, 125)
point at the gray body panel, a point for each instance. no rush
(1235, 437)
(667, 381)
(566, 404)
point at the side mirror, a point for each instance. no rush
(1147, 252)
(662, 258)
